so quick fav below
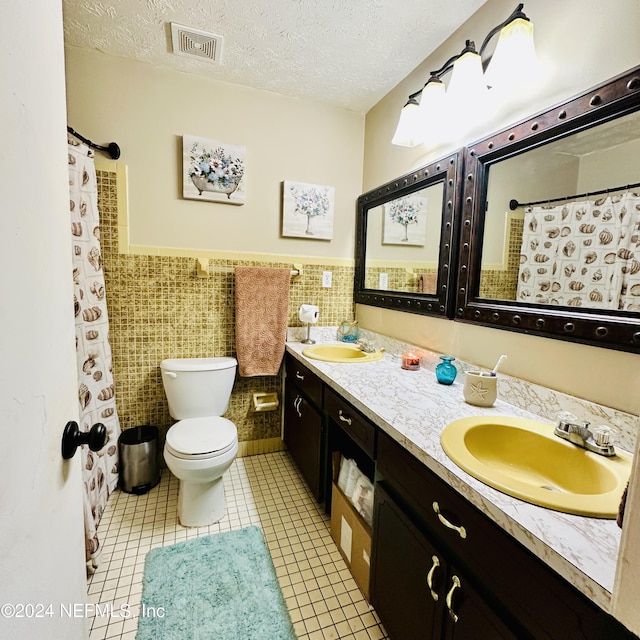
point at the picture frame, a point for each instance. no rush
(307, 210)
(405, 221)
(213, 171)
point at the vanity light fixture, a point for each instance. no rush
(513, 62)
(467, 90)
(433, 108)
(408, 130)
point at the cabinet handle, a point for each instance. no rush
(299, 375)
(455, 584)
(344, 418)
(434, 566)
(296, 405)
(460, 529)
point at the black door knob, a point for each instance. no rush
(72, 438)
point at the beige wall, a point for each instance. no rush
(146, 110)
(579, 44)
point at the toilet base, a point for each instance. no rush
(201, 504)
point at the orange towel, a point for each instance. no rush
(262, 312)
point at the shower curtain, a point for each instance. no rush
(93, 351)
(582, 254)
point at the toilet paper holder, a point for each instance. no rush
(308, 313)
(264, 401)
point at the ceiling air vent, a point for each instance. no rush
(195, 43)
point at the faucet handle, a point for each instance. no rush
(604, 435)
(566, 417)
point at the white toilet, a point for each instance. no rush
(201, 446)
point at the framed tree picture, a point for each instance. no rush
(405, 221)
(212, 170)
(307, 210)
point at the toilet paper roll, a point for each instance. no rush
(308, 313)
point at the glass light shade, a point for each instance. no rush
(408, 132)
(514, 62)
(467, 78)
(433, 114)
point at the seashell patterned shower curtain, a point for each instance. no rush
(582, 254)
(95, 379)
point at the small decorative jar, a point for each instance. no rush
(348, 331)
(446, 371)
(410, 361)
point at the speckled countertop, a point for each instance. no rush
(413, 409)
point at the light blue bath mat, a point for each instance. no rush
(219, 587)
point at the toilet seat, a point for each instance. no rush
(201, 438)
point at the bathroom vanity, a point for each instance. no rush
(452, 557)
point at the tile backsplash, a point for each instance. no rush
(159, 308)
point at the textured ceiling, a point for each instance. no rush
(347, 53)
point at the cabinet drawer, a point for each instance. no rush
(307, 381)
(359, 429)
(445, 512)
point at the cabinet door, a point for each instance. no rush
(303, 437)
(468, 616)
(407, 575)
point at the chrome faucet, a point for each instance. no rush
(598, 440)
(368, 346)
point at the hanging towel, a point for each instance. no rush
(428, 283)
(262, 311)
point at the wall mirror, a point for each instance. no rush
(405, 241)
(550, 240)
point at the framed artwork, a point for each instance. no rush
(307, 210)
(405, 221)
(212, 170)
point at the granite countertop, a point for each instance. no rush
(413, 408)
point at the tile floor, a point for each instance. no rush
(263, 490)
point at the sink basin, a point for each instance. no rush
(524, 459)
(340, 353)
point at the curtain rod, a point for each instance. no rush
(514, 204)
(112, 148)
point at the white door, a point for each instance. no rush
(41, 525)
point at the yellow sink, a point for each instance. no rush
(524, 459)
(340, 353)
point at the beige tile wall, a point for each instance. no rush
(159, 308)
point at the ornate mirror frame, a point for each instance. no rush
(441, 303)
(612, 329)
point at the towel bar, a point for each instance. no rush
(202, 265)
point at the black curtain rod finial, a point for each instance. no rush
(114, 150)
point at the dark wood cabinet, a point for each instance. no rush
(416, 590)
(440, 568)
(505, 591)
(304, 425)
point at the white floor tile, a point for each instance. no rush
(265, 490)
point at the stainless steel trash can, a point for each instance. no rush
(139, 467)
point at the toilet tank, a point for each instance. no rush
(198, 387)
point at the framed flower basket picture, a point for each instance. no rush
(212, 170)
(307, 210)
(405, 221)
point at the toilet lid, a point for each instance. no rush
(201, 437)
